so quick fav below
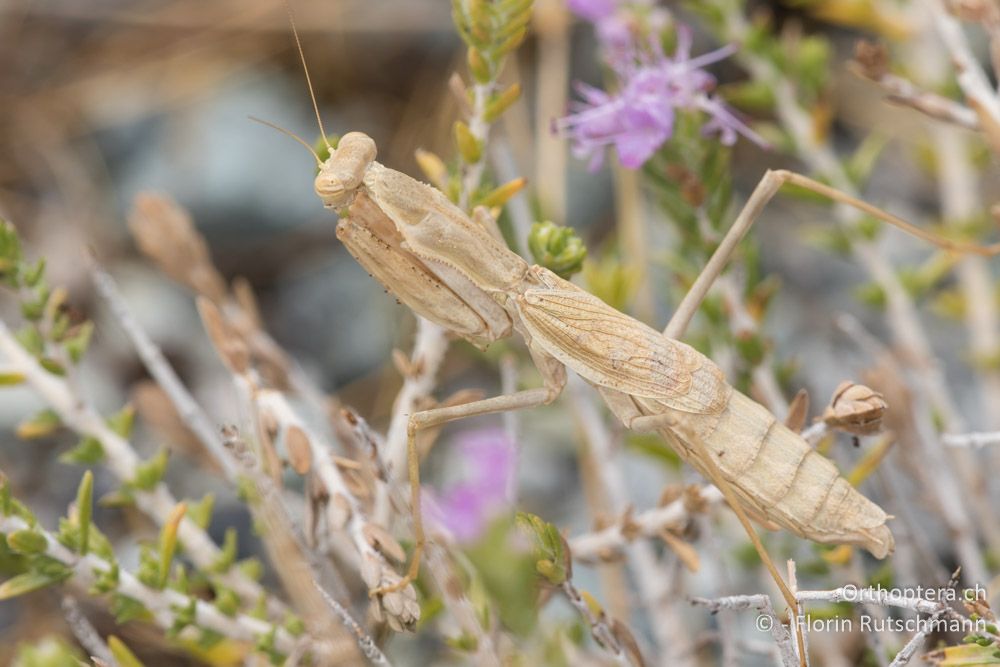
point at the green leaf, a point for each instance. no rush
(479, 66)
(11, 506)
(168, 542)
(862, 162)
(27, 541)
(469, 147)
(10, 253)
(265, 644)
(754, 95)
(251, 568)
(965, 655)
(515, 40)
(122, 421)
(209, 638)
(227, 555)
(751, 346)
(121, 653)
(52, 366)
(85, 509)
(125, 609)
(32, 581)
(501, 102)
(611, 281)
(41, 425)
(872, 295)
(33, 275)
(181, 581)
(226, 601)
(31, 340)
(47, 651)
(201, 511)
(105, 581)
(60, 326)
(34, 309)
(11, 379)
(123, 497)
(148, 571)
(812, 64)
(294, 625)
(88, 451)
(183, 617)
(149, 473)
(552, 558)
(78, 342)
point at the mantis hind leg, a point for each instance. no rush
(769, 186)
(429, 418)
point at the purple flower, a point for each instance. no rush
(618, 22)
(593, 10)
(639, 118)
(465, 509)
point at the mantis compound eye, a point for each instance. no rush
(331, 189)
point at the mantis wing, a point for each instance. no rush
(613, 350)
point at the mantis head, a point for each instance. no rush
(344, 171)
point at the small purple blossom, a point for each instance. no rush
(617, 22)
(593, 10)
(639, 117)
(465, 509)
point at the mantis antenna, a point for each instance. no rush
(290, 134)
(305, 68)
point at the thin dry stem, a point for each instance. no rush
(606, 542)
(970, 75)
(762, 605)
(76, 413)
(599, 629)
(906, 93)
(85, 632)
(655, 589)
(161, 603)
(365, 642)
(344, 511)
(160, 369)
(429, 350)
(292, 560)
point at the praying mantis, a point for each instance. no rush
(453, 270)
(456, 271)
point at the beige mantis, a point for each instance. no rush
(453, 270)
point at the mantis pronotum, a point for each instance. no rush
(451, 268)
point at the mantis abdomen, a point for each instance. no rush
(778, 475)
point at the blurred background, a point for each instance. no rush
(102, 100)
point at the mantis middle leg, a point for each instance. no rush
(554, 377)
